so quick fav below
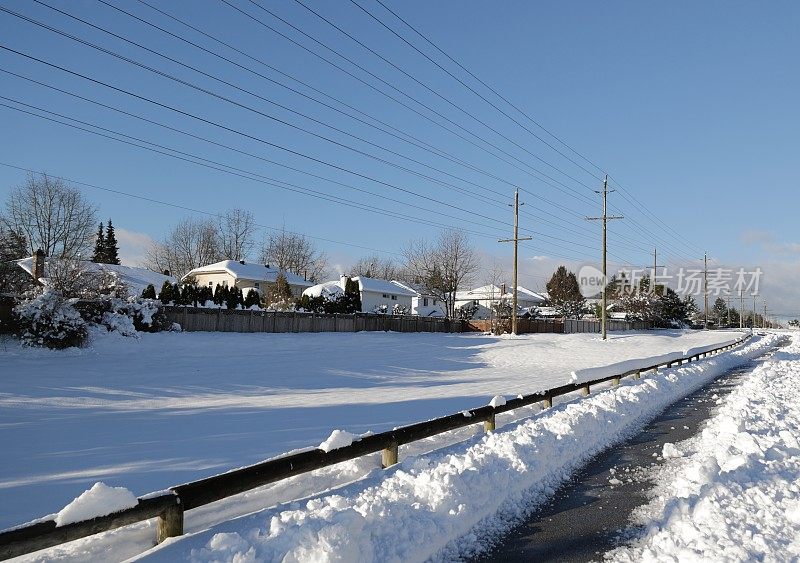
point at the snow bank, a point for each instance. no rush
(97, 501)
(449, 503)
(592, 373)
(337, 439)
(734, 495)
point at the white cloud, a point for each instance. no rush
(132, 246)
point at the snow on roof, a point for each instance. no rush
(418, 289)
(524, 294)
(136, 279)
(248, 271)
(325, 289)
(383, 286)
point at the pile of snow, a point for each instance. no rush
(670, 450)
(450, 503)
(497, 401)
(599, 372)
(337, 439)
(100, 500)
(734, 494)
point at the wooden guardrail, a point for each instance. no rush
(169, 507)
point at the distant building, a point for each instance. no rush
(135, 279)
(375, 293)
(423, 303)
(485, 296)
(245, 276)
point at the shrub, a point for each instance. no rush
(50, 320)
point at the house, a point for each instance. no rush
(245, 276)
(423, 303)
(135, 279)
(485, 296)
(375, 293)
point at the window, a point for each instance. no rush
(425, 302)
(257, 285)
(211, 284)
(434, 301)
(386, 296)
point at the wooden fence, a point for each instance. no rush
(169, 506)
(524, 325)
(582, 325)
(193, 319)
(565, 326)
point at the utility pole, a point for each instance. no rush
(741, 309)
(764, 318)
(654, 276)
(515, 240)
(728, 308)
(753, 324)
(705, 290)
(605, 218)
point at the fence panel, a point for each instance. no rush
(194, 319)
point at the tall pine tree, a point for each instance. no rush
(99, 246)
(110, 247)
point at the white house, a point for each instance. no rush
(246, 276)
(374, 293)
(423, 303)
(134, 279)
(486, 296)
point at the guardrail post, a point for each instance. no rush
(489, 425)
(547, 403)
(615, 381)
(638, 374)
(389, 455)
(170, 522)
(585, 390)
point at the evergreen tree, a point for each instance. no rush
(218, 298)
(671, 308)
(110, 247)
(99, 246)
(720, 311)
(253, 298)
(565, 293)
(165, 295)
(13, 246)
(233, 298)
(351, 301)
(280, 291)
(149, 292)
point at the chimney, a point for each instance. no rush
(38, 264)
(502, 289)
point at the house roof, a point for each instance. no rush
(137, 279)
(248, 271)
(325, 289)
(383, 286)
(418, 289)
(492, 291)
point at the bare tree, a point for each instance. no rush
(443, 267)
(51, 215)
(236, 234)
(190, 244)
(376, 267)
(294, 253)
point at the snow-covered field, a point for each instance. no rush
(170, 407)
(732, 493)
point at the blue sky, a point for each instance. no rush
(690, 106)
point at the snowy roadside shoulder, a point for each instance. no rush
(732, 493)
(455, 501)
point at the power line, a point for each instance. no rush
(193, 210)
(632, 198)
